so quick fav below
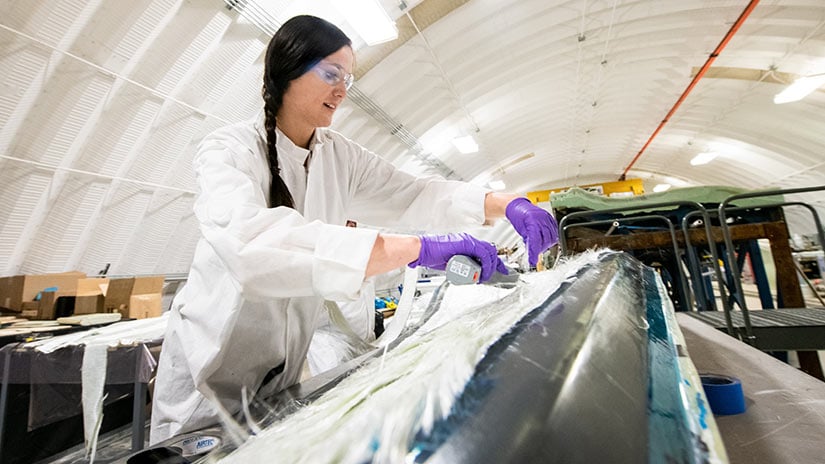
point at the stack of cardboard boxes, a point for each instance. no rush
(36, 296)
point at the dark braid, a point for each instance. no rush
(294, 49)
(279, 194)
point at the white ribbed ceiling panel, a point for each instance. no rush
(50, 22)
(584, 84)
(21, 190)
(178, 47)
(102, 108)
(117, 218)
(215, 74)
(103, 104)
(180, 246)
(116, 135)
(58, 234)
(21, 70)
(132, 32)
(169, 136)
(154, 236)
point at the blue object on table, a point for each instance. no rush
(47, 289)
(724, 394)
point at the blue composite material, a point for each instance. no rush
(671, 425)
(594, 374)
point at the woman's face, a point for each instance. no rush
(311, 100)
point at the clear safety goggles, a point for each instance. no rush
(333, 75)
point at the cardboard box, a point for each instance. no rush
(66, 283)
(132, 297)
(30, 309)
(148, 285)
(147, 295)
(11, 292)
(42, 309)
(7, 289)
(117, 296)
(47, 305)
(90, 295)
(143, 306)
(14, 290)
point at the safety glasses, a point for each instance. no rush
(333, 74)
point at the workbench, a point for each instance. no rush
(665, 232)
(40, 411)
(785, 417)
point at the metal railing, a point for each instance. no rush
(731, 252)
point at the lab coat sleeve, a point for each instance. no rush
(387, 196)
(271, 252)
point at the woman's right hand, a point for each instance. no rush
(436, 250)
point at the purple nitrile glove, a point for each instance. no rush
(436, 250)
(536, 226)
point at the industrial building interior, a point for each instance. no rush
(617, 116)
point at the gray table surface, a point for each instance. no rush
(785, 417)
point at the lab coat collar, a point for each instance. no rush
(287, 149)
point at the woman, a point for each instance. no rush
(275, 195)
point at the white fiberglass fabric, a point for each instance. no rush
(373, 415)
(93, 376)
(701, 424)
(118, 334)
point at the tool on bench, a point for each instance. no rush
(463, 270)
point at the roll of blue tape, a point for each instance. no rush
(724, 394)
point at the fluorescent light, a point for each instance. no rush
(496, 184)
(661, 187)
(368, 19)
(800, 89)
(466, 144)
(703, 158)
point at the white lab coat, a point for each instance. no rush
(324, 353)
(260, 275)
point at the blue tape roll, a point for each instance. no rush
(724, 394)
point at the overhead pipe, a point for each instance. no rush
(696, 78)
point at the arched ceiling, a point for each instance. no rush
(103, 104)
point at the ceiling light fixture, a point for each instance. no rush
(800, 88)
(369, 19)
(661, 188)
(703, 158)
(496, 184)
(466, 144)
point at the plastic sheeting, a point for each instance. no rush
(66, 379)
(579, 199)
(55, 378)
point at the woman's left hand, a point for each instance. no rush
(536, 226)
